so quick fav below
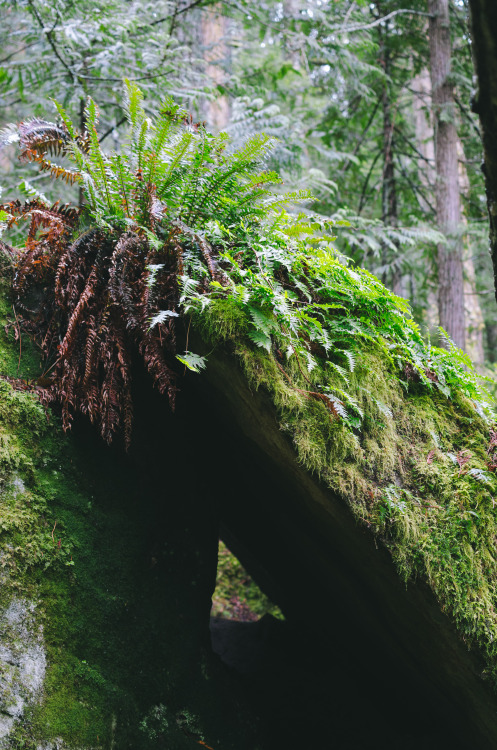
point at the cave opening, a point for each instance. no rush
(336, 670)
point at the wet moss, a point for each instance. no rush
(415, 472)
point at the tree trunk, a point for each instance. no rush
(475, 325)
(389, 213)
(425, 144)
(449, 255)
(483, 27)
(214, 29)
(473, 316)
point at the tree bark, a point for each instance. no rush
(484, 34)
(475, 325)
(425, 144)
(449, 254)
(214, 30)
(389, 193)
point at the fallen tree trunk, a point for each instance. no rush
(124, 601)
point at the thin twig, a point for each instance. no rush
(18, 329)
(18, 51)
(349, 29)
(49, 36)
(113, 127)
(178, 12)
(365, 186)
(411, 145)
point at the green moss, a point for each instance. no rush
(75, 545)
(69, 709)
(415, 473)
(18, 357)
(225, 320)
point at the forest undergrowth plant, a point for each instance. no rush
(178, 224)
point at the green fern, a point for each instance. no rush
(218, 213)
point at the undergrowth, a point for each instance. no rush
(237, 596)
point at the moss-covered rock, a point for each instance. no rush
(418, 474)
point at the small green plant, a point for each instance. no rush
(155, 723)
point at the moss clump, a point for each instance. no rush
(416, 472)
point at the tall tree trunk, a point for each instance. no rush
(425, 143)
(483, 27)
(389, 192)
(475, 325)
(214, 31)
(449, 255)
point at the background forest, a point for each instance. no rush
(345, 86)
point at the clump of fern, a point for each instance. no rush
(172, 223)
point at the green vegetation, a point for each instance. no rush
(75, 546)
(398, 428)
(178, 251)
(237, 596)
(177, 207)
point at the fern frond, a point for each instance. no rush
(9, 135)
(58, 172)
(132, 104)
(38, 136)
(175, 223)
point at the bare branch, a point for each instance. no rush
(349, 29)
(50, 39)
(18, 51)
(113, 127)
(365, 186)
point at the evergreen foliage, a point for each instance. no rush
(177, 223)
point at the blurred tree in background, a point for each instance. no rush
(345, 85)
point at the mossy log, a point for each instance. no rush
(350, 465)
(108, 561)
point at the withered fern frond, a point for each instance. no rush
(83, 282)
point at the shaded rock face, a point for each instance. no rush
(246, 647)
(312, 693)
(22, 663)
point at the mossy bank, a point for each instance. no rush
(101, 640)
(419, 474)
(341, 451)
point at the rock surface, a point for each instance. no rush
(22, 663)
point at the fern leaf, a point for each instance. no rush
(162, 317)
(8, 135)
(193, 362)
(132, 103)
(261, 339)
(262, 322)
(38, 136)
